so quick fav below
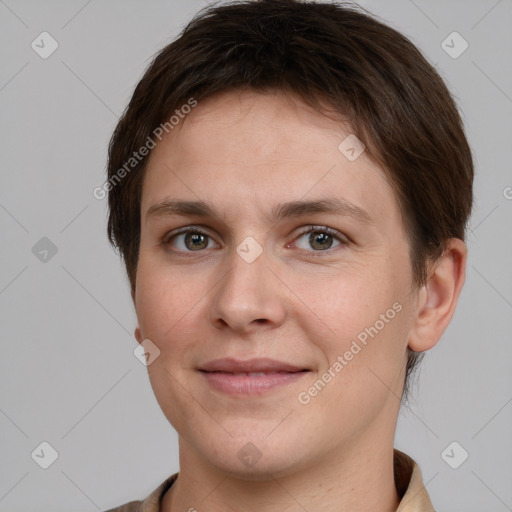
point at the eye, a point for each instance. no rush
(193, 239)
(190, 239)
(320, 238)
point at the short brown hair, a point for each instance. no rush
(326, 54)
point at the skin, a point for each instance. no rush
(245, 153)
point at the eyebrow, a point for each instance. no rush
(332, 205)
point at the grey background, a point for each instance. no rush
(68, 375)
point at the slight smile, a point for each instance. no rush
(252, 377)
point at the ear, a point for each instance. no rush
(137, 333)
(438, 297)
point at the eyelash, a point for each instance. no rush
(343, 240)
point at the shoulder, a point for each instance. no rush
(151, 503)
(133, 506)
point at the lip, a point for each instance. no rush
(233, 377)
(262, 364)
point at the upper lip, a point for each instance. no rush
(230, 365)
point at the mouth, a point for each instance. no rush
(252, 377)
(254, 374)
(255, 365)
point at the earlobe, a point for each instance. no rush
(438, 297)
(137, 334)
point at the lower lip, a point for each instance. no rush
(250, 384)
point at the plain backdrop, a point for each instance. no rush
(68, 375)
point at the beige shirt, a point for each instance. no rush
(408, 481)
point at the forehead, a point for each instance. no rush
(270, 125)
(246, 147)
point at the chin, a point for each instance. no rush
(265, 469)
(254, 457)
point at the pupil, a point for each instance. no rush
(320, 240)
(197, 239)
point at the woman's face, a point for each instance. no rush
(302, 260)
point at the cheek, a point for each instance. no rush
(164, 298)
(344, 304)
(166, 302)
(360, 331)
(364, 363)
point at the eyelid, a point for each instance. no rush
(186, 229)
(331, 231)
(340, 237)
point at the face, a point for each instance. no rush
(275, 281)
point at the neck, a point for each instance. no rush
(350, 479)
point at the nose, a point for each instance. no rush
(248, 297)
